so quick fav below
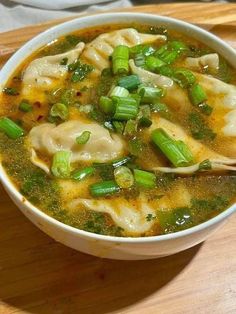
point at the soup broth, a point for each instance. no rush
(122, 130)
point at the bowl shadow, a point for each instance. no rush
(41, 276)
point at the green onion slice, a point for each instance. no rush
(126, 108)
(121, 161)
(106, 104)
(61, 164)
(10, 128)
(153, 63)
(119, 91)
(104, 188)
(176, 151)
(145, 178)
(24, 106)
(118, 126)
(184, 77)
(139, 60)
(197, 94)
(144, 116)
(129, 82)
(123, 177)
(83, 173)
(59, 110)
(149, 94)
(83, 138)
(120, 59)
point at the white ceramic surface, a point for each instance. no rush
(107, 246)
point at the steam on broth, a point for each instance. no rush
(122, 130)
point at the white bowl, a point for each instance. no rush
(100, 245)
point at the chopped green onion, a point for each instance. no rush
(176, 151)
(159, 107)
(144, 116)
(126, 108)
(197, 94)
(83, 138)
(178, 46)
(184, 77)
(12, 91)
(205, 165)
(106, 104)
(184, 149)
(148, 50)
(120, 59)
(25, 106)
(82, 173)
(59, 110)
(161, 50)
(118, 126)
(10, 128)
(61, 164)
(121, 161)
(136, 49)
(153, 63)
(123, 177)
(169, 56)
(130, 128)
(142, 49)
(149, 94)
(104, 188)
(166, 71)
(145, 178)
(137, 97)
(119, 91)
(205, 108)
(129, 82)
(139, 60)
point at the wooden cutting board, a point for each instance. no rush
(38, 275)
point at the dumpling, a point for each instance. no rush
(150, 78)
(98, 51)
(127, 215)
(209, 61)
(224, 93)
(221, 96)
(101, 147)
(199, 150)
(131, 216)
(42, 72)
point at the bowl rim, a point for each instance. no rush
(18, 197)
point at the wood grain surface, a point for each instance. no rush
(38, 275)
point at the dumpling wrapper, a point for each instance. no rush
(43, 72)
(98, 51)
(209, 61)
(200, 151)
(150, 78)
(49, 139)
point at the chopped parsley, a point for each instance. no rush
(12, 91)
(199, 128)
(80, 71)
